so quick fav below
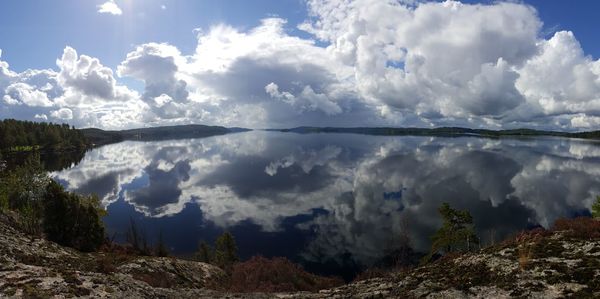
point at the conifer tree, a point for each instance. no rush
(457, 232)
(225, 251)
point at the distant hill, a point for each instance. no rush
(98, 136)
(443, 131)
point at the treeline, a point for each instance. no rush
(16, 135)
(442, 132)
(98, 136)
(587, 135)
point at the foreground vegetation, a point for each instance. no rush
(563, 258)
(39, 206)
(555, 263)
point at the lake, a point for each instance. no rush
(335, 203)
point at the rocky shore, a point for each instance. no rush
(538, 264)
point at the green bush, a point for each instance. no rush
(22, 190)
(26, 184)
(72, 220)
(30, 218)
(596, 208)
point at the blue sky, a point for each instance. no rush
(302, 62)
(53, 24)
(34, 33)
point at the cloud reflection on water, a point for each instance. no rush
(267, 177)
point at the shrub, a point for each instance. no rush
(106, 265)
(72, 220)
(579, 228)
(3, 198)
(24, 186)
(596, 208)
(3, 187)
(22, 190)
(30, 218)
(278, 274)
(138, 239)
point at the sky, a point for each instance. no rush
(117, 64)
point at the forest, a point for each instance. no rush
(16, 135)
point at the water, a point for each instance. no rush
(333, 202)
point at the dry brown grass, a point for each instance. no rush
(278, 274)
(579, 228)
(111, 255)
(529, 236)
(371, 273)
(525, 255)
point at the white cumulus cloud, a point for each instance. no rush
(358, 62)
(110, 7)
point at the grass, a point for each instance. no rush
(525, 256)
(278, 274)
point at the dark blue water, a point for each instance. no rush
(334, 202)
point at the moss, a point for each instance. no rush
(587, 272)
(548, 248)
(595, 249)
(10, 291)
(155, 279)
(32, 291)
(560, 267)
(71, 278)
(555, 278)
(79, 291)
(584, 294)
(517, 293)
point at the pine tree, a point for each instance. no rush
(225, 251)
(161, 247)
(204, 253)
(457, 233)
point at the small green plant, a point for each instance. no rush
(456, 234)
(596, 208)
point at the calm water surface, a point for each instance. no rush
(333, 202)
